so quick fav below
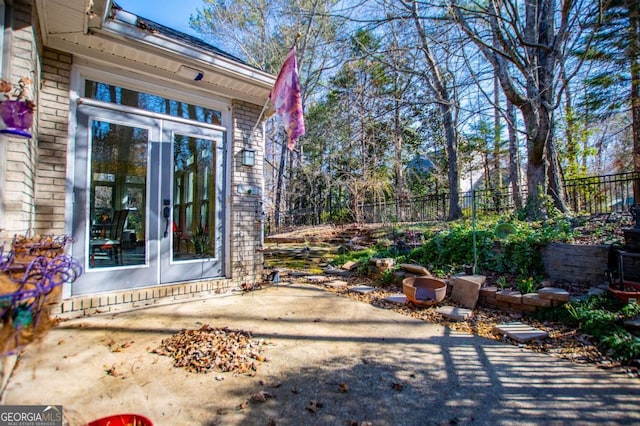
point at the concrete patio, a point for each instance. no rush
(398, 370)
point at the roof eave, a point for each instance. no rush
(194, 55)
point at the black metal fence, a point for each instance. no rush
(602, 194)
(591, 196)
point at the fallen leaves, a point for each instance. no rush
(114, 372)
(261, 396)
(115, 347)
(247, 287)
(213, 349)
(314, 405)
(397, 386)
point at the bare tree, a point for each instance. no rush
(261, 32)
(514, 158)
(436, 80)
(526, 43)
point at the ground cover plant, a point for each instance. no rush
(445, 249)
(602, 317)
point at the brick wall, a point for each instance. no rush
(52, 147)
(20, 156)
(514, 301)
(138, 298)
(246, 188)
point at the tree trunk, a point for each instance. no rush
(455, 211)
(497, 139)
(279, 184)
(514, 158)
(555, 175)
(397, 138)
(540, 49)
(438, 85)
(634, 54)
(571, 142)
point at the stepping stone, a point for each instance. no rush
(386, 262)
(337, 272)
(398, 298)
(317, 278)
(350, 266)
(298, 274)
(632, 324)
(520, 332)
(336, 284)
(454, 313)
(363, 289)
(595, 291)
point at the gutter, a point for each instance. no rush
(119, 26)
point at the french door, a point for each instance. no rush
(192, 244)
(148, 200)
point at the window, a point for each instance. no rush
(122, 96)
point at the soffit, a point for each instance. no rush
(92, 30)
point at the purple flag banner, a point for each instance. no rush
(287, 99)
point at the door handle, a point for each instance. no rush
(166, 213)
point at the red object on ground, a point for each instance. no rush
(122, 420)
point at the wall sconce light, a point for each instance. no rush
(190, 73)
(248, 157)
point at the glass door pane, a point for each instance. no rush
(118, 176)
(193, 197)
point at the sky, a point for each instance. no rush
(174, 14)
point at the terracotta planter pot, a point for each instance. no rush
(17, 117)
(424, 291)
(630, 291)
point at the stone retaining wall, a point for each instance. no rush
(576, 263)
